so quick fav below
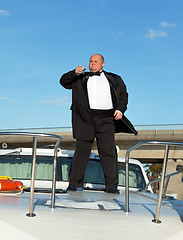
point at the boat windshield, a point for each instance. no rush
(19, 167)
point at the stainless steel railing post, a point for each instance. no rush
(166, 185)
(31, 213)
(54, 173)
(34, 135)
(156, 220)
(127, 175)
(127, 183)
(167, 144)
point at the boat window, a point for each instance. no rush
(94, 173)
(136, 177)
(19, 167)
(64, 166)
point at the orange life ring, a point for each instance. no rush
(10, 185)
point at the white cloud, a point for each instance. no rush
(4, 13)
(8, 99)
(166, 25)
(36, 74)
(114, 34)
(4, 98)
(59, 102)
(120, 32)
(155, 33)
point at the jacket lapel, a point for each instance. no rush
(84, 82)
(114, 88)
(112, 81)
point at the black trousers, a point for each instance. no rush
(104, 133)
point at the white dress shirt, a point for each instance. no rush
(99, 93)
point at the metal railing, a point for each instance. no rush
(138, 145)
(158, 127)
(35, 135)
(39, 130)
(154, 127)
(159, 179)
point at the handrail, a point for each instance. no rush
(34, 135)
(163, 143)
(159, 179)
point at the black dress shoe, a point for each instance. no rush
(112, 190)
(72, 188)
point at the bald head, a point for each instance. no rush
(96, 63)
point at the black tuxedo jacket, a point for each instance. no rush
(81, 114)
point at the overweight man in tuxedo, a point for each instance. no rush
(99, 99)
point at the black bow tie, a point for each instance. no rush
(95, 73)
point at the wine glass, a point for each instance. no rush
(84, 67)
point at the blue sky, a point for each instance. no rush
(141, 40)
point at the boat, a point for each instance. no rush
(45, 210)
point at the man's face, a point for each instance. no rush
(96, 63)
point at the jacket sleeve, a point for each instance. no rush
(123, 96)
(68, 78)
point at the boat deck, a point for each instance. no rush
(88, 215)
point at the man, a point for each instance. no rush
(99, 99)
